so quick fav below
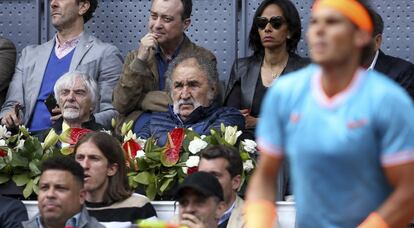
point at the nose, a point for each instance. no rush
(50, 193)
(185, 93)
(71, 96)
(189, 208)
(158, 23)
(84, 163)
(53, 3)
(268, 28)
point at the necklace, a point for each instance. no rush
(276, 75)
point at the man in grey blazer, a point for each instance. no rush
(7, 64)
(71, 49)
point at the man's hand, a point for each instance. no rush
(250, 120)
(12, 119)
(148, 42)
(56, 114)
(191, 221)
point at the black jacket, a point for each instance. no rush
(247, 71)
(398, 69)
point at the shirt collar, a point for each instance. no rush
(159, 53)
(71, 222)
(227, 213)
(69, 43)
(371, 67)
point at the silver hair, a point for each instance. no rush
(68, 81)
(206, 65)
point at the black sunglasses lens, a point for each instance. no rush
(276, 22)
(261, 22)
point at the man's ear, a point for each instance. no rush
(362, 38)
(236, 182)
(378, 41)
(221, 208)
(84, 7)
(82, 196)
(187, 23)
(112, 169)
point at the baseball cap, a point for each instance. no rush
(203, 183)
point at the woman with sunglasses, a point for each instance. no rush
(274, 37)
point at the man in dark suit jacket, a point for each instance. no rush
(398, 69)
(7, 64)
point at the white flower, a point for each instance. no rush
(185, 169)
(231, 134)
(248, 165)
(129, 136)
(107, 132)
(203, 136)
(249, 145)
(20, 145)
(64, 145)
(192, 161)
(141, 142)
(4, 133)
(2, 142)
(196, 145)
(140, 154)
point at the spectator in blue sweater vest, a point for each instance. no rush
(108, 196)
(192, 82)
(40, 66)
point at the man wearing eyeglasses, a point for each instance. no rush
(140, 90)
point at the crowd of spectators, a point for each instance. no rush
(75, 80)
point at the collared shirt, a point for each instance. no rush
(227, 213)
(162, 64)
(70, 223)
(62, 49)
(374, 61)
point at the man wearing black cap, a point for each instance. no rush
(201, 201)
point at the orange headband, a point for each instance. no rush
(351, 9)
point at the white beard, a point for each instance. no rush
(71, 114)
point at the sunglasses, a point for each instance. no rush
(275, 22)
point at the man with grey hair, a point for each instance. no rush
(192, 84)
(76, 94)
(141, 88)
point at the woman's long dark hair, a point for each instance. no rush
(118, 187)
(291, 15)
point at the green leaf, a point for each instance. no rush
(28, 190)
(166, 184)
(4, 178)
(156, 156)
(36, 180)
(36, 189)
(34, 167)
(143, 178)
(151, 190)
(18, 160)
(21, 179)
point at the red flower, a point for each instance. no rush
(3, 153)
(131, 147)
(171, 154)
(72, 135)
(192, 170)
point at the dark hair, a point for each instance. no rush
(229, 153)
(118, 186)
(89, 14)
(205, 65)
(377, 22)
(64, 164)
(291, 15)
(188, 7)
